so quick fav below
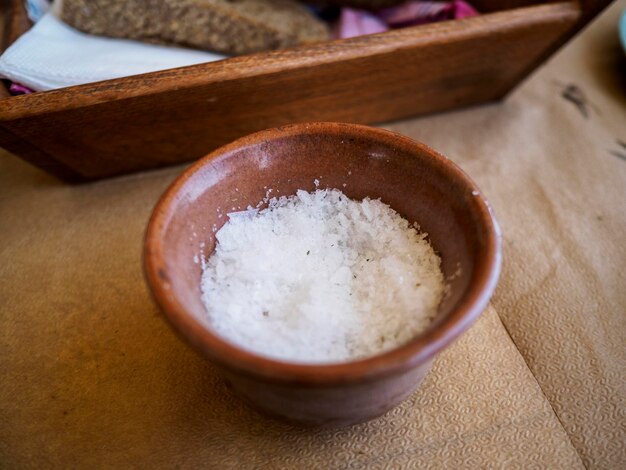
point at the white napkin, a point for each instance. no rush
(54, 55)
(35, 9)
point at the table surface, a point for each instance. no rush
(93, 377)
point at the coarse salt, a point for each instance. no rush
(319, 278)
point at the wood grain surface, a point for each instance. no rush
(151, 120)
(13, 23)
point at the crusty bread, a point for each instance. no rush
(229, 26)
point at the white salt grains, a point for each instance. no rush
(319, 278)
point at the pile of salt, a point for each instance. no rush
(319, 278)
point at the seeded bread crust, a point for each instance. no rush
(228, 26)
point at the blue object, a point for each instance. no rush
(36, 9)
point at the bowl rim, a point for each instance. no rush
(418, 351)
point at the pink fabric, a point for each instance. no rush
(17, 89)
(354, 22)
(416, 12)
(463, 10)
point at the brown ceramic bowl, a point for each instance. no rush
(413, 179)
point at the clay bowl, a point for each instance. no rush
(413, 179)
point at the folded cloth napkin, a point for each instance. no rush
(353, 22)
(420, 12)
(17, 89)
(54, 55)
(36, 9)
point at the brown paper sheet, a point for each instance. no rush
(92, 376)
(95, 378)
(555, 172)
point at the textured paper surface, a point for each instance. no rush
(555, 173)
(92, 376)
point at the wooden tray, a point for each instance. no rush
(146, 121)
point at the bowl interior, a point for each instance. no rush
(421, 185)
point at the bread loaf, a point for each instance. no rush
(228, 26)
